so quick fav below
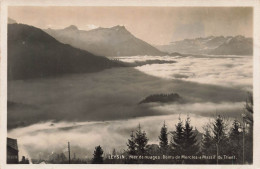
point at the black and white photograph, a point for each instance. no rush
(130, 85)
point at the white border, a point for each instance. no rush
(176, 3)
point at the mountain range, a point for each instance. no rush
(114, 41)
(215, 45)
(32, 53)
(36, 53)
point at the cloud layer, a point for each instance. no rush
(41, 139)
(102, 108)
(231, 71)
(107, 95)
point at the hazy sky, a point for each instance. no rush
(156, 25)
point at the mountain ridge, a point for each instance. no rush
(217, 45)
(114, 41)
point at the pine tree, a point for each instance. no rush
(248, 123)
(207, 142)
(62, 157)
(114, 152)
(235, 134)
(98, 158)
(190, 146)
(250, 104)
(235, 141)
(163, 139)
(141, 141)
(178, 138)
(131, 145)
(219, 138)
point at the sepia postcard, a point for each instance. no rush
(126, 84)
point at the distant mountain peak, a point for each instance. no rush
(118, 27)
(71, 27)
(239, 37)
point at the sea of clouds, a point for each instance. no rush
(231, 71)
(107, 102)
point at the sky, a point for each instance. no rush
(155, 25)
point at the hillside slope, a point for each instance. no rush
(32, 53)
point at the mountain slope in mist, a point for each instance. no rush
(217, 45)
(114, 41)
(32, 53)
